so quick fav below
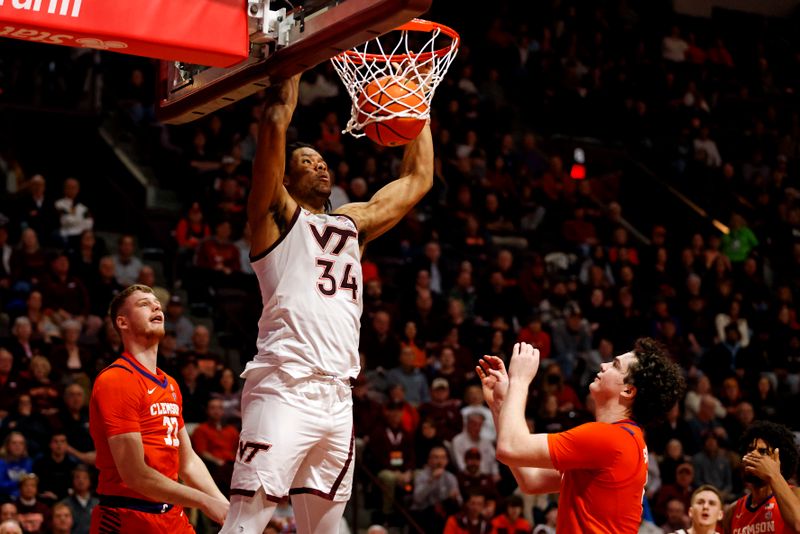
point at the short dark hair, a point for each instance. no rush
(658, 380)
(290, 148)
(119, 300)
(777, 437)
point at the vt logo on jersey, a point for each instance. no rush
(330, 281)
(324, 238)
(254, 447)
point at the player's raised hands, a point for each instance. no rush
(494, 380)
(524, 363)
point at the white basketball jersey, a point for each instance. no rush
(310, 282)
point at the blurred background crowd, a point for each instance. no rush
(604, 171)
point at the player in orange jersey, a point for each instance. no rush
(599, 468)
(770, 457)
(136, 422)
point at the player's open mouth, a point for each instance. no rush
(157, 319)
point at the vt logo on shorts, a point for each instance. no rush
(254, 447)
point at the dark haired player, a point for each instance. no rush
(297, 409)
(599, 468)
(769, 458)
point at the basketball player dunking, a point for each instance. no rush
(297, 425)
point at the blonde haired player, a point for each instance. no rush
(705, 511)
(297, 423)
(136, 422)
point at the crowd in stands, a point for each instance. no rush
(507, 247)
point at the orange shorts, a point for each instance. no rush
(106, 520)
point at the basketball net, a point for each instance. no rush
(425, 66)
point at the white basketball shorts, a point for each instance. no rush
(297, 436)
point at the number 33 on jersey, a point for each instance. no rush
(128, 398)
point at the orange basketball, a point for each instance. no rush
(386, 96)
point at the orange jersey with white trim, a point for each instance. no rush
(764, 518)
(604, 470)
(126, 397)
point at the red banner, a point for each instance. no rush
(204, 32)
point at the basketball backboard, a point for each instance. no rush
(282, 43)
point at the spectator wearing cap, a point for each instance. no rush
(176, 322)
(470, 438)
(474, 403)
(681, 489)
(471, 479)
(511, 520)
(443, 411)
(410, 377)
(34, 515)
(436, 494)
(391, 455)
(126, 264)
(446, 366)
(81, 501)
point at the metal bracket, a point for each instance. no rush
(268, 26)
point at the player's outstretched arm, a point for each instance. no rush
(128, 453)
(516, 446)
(391, 203)
(268, 203)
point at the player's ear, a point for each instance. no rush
(122, 322)
(629, 392)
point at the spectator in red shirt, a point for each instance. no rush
(216, 443)
(218, 253)
(511, 521)
(470, 520)
(533, 334)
